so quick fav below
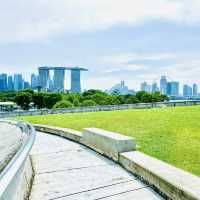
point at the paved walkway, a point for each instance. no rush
(66, 170)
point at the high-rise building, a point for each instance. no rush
(10, 83)
(173, 88)
(18, 82)
(3, 82)
(26, 85)
(75, 81)
(58, 79)
(195, 89)
(155, 88)
(163, 85)
(34, 81)
(146, 87)
(187, 91)
(143, 86)
(44, 78)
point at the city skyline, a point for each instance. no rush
(43, 81)
(115, 42)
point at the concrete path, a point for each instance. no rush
(66, 170)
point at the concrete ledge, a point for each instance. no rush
(171, 181)
(63, 132)
(107, 143)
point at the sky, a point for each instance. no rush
(130, 40)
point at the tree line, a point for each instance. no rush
(28, 98)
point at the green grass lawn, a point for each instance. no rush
(170, 134)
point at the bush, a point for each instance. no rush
(51, 99)
(89, 103)
(63, 104)
(38, 100)
(23, 99)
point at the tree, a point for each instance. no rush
(92, 92)
(146, 98)
(132, 100)
(88, 103)
(140, 94)
(38, 100)
(23, 99)
(63, 104)
(51, 99)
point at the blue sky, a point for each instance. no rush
(116, 40)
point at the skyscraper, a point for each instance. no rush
(26, 85)
(195, 89)
(155, 88)
(173, 88)
(58, 79)
(75, 81)
(187, 91)
(18, 82)
(163, 85)
(3, 82)
(34, 81)
(10, 83)
(44, 78)
(143, 86)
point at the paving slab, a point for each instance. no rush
(69, 171)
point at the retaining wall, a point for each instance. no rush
(99, 108)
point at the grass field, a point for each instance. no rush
(170, 134)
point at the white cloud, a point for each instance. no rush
(30, 20)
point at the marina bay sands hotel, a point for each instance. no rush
(59, 78)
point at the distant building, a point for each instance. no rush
(44, 78)
(155, 88)
(75, 81)
(26, 85)
(58, 80)
(143, 86)
(10, 83)
(34, 81)
(146, 87)
(3, 82)
(187, 91)
(18, 82)
(120, 89)
(173, 88)
(195, 89)
(163, 85)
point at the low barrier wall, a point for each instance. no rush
(16, 176)
(171, 182)
(99, 108)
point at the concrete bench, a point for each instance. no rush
(107, 143)
(63, 132)
(171, 181)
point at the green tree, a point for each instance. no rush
(88, 103)
(23, 99)
(50, 99)
(38, 100)
(146, 98)
(63, 104)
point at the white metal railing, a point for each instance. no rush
(12, 168)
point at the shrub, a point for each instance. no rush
(23, 99)
(51, 99)
(88, 103)
(63, 104)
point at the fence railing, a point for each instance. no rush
(12, 173)
(100, 108)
